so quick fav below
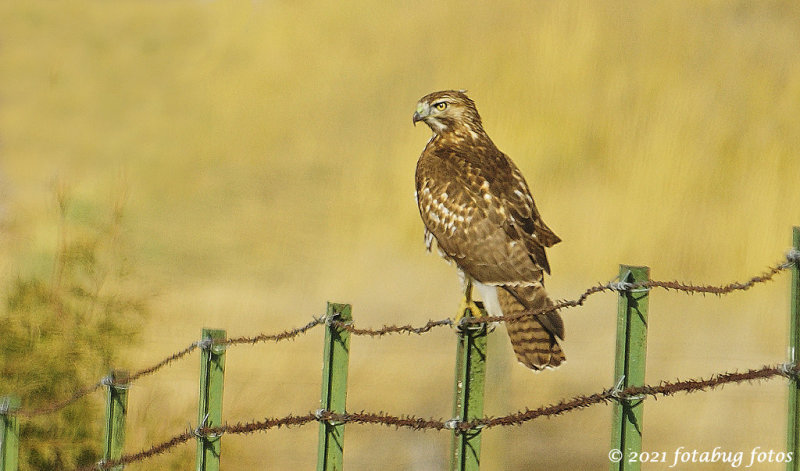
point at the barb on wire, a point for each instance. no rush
(792, 258)
(664, 388)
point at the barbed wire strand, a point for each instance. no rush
(80, 393)
(285, 335)
(664, 388)
(56, 406)
(791, 258)
(392, 329)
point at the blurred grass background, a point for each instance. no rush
(266, 155)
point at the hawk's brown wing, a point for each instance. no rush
(477, 206)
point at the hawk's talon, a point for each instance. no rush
(467, 309)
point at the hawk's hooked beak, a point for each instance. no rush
(420, 114)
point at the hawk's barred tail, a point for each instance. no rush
(534, 339)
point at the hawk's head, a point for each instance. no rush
(448, 111)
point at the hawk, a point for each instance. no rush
(479, 213)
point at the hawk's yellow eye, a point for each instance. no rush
(441, 105)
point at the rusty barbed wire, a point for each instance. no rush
(391, 329)
(285, 335)
(85, 391)
(239, 428)
(157, 449)
(166, 361)
(82, 392)
(791, 259)
(56, 406)
(663, 388)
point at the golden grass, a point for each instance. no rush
(269, 155)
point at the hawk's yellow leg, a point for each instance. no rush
(468, 308)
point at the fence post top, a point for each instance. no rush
(338, 311)
(632, 268)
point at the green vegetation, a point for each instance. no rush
(62, 331)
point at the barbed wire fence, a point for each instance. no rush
(664, 388)
(789, 369)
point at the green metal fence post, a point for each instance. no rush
(335, 361)
(116, 410)
(793, 431)
(470, 376)
(212, 376)
(626, 434)
(9, 434)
